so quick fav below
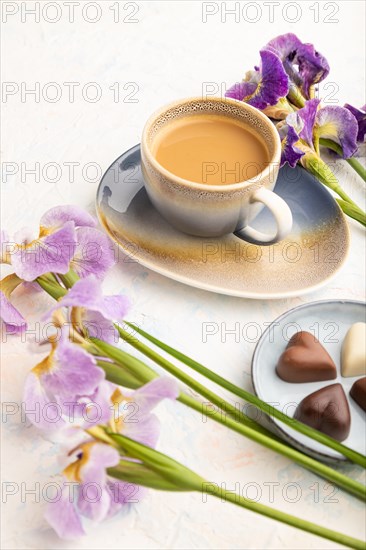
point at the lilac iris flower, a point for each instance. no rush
(99, 496)
(93, 253)
(263, 86)
(132, 409)
(339, 125)
(67, 238)
(360, 115)
(290, 153)
(97, 312)
(88, 469)
(90, 409)
(312, 123)
(66, 373)
(303, 64)
(11, 317)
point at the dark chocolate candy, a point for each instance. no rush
(326, 410)
(358, 392)
(305, 360)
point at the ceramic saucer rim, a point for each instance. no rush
(274, 422)
(212, 288)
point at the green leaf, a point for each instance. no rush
(166, 468)
(118, 375)
(139, 474)
(352, 211)
(136, 368)
(161, 472)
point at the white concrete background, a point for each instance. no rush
(168, 53)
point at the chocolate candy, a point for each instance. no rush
(326, 410)
(353, 357)
(305, 360)
(358, 392)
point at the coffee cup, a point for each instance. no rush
(210, 166)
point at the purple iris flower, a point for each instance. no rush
(263, 86)
(303, 64)
(360, 115)
(312, 123)
(289, 152)
(303, 121)
(339, 125)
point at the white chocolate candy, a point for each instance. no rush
(353, 359)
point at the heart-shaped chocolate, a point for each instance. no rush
(326, 410)
(358, 392)
(305, 360)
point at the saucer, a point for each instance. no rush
(307, 259)
(328, 321)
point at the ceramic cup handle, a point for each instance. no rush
(281, 213)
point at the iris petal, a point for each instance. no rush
(63, 517)
(75, 371)
(263, 88)
(303, 121)
(57, 216)
(52, 252)
(313, 67)
(94, 501)
(339, 125)
(308, 116)
(94, 253)
(304, 65)
(13, 320)
(58, 380)
(241, 90)
(88, 293)
(360, 116)
(289, 152)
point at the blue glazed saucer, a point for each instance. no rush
(307, 259)
(328, 321)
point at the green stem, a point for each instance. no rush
(352, 455)
(352, 212)
(119, 356)
(134, 367)
(114, 373)
(295, 97)
(69, 278)
(346, 483)
(324, 174)
(356, 165)
(158, 471)
(350, 485)
(53, 289)
(277, 515)
(343, 481)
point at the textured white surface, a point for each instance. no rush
(167, 54)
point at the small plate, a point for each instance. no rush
(303, 262)
(329, 321)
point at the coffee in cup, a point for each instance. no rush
(210, 165)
